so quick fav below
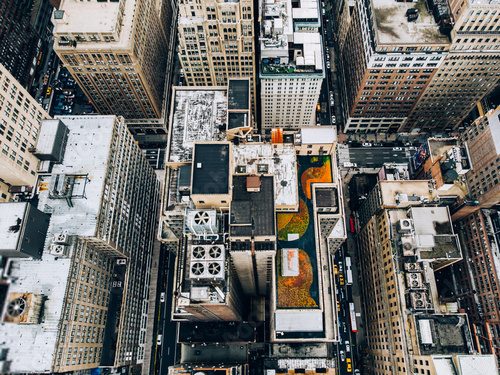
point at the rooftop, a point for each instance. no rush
(197, 114)
(443, 334)
(252, 213)
(93, 17)
(318, 135)
(210, 168)
(260, 158)
(238, 94)
(326, 197)
(393, 27)
(284, 27)
(405, 193)
(39, 340)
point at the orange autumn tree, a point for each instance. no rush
(316, 174)
(294, 291)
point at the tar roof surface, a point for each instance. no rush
(211, 169)
(252, 212)
(326, 197)
(237, 120)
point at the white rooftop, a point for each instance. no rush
(196, 115)
(92, 17)
(318, 135)
(12, 214)
(31, 346)
(85, 133)
(494, 124)
(284, 170)
(298, 321)
(467, 365)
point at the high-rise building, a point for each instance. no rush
(409, 328)
(84, 303)
(19, 125)
(291, 63)
(483, 144)
(216, 42)
(479, 276)
(469, 72)
(388, 57)
(410, 68)
(19, 39)
(117, 51)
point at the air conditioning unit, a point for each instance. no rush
(58, 249)
(61, 238)
(216, 252)
(412, 267)
(419, 300)
(405, 225)
(207, 261)
(408, 246)
(414, 280)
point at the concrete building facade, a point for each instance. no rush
(20, 117)
(117, 52)
(216, 42)
(92, 279)
(291, 63)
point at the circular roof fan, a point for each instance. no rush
(214, 269)
(197, 269)
(413, 276)
(407, 246)
(198, 252)
(16, 307)
(215, 252)
(201, 217)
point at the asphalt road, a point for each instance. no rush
(376, 156)
(164, 355)
(344, 296)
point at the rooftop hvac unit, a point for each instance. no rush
(23, 308)
(201, 222)
(207, 262)
(414, 280)
(419, 300)
(408, 246)
(412, 267)
(61, 238)
(58, 250)
(405, 225)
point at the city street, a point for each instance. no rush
(164, 352)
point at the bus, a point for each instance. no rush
(352, 316)
(352, 224)
(348, 270)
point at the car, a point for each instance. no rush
(342, 296)
(335, 267)
(367, 144)
(162, 297)
(338, 306)
(357, 372)
(341, 279)
(158, 339)
(397, 149)
(347, 346)
(348, 363)
(342, 356)
(334, 119)
(328, 64)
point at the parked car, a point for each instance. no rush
(162, 297)
(347, 346)
(342, 356)
(397, 149)
(367, 144)
(158, 340)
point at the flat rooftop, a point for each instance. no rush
(392, 26)
(327, 197)
(394, 192)
(197, 114)
(252, 213)
(237, 120)
(93, 17)
(318, 135)
(238, 94)
(443, 334)
(11, 224)
(440, 146)
(47, 277)
(261, 158)
(210, 170)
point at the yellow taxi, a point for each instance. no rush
(348, 363)
(341, 279)
(338, 306)
(335, 269)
